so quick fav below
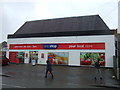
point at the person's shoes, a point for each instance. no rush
(100, 78)
(52, 76)
(45, 76)
(95, 78)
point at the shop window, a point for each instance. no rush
(90, 58)
(58, 57)
(20, 57)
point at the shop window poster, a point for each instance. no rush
(20, 56)
(26, 55)
(90, 58)
(58, 57)
(42, 55)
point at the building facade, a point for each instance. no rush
(73, 41)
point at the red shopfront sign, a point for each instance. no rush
(100, 46)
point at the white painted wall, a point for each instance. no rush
(74, 55)
(74, 58)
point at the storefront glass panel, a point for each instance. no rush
(58, 57)
(90, 58)
(16, 57)
(33, 55)
(20, 57)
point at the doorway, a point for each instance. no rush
(33, 55)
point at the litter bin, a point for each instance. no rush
(33, 62)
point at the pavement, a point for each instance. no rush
(28, 76)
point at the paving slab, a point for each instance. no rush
(28, 76)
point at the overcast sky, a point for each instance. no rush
(15, 13)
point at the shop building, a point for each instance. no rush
(72, 41)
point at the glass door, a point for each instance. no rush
(33, 55)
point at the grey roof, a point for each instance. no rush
(68, 24)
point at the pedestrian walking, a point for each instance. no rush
(48, 69)
(98, 71)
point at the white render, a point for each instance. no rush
(74, 55)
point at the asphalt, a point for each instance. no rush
(28, 76)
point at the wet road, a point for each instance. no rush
(28, 76)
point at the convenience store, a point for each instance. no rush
(72, 41)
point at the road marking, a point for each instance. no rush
(13, 86)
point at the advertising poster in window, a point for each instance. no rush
(42, 55)
(58, 57)
(20, 56)
(90, 58)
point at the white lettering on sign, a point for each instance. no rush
(28, 46)
(89, 46)
(53, 46)
(18, 46)
(34, 46)
(72, 46)
(25, 46)
(80, 46)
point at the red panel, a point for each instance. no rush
(12, 57)
(60, 46)
(25, 46)
(82, 46)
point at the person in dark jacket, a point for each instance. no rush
(48, 69)
(98, 71)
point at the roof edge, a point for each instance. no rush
(62, 18)
(62, 34)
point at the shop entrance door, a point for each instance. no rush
(41, 58)
(33, 55)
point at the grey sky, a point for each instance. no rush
(15, 14)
